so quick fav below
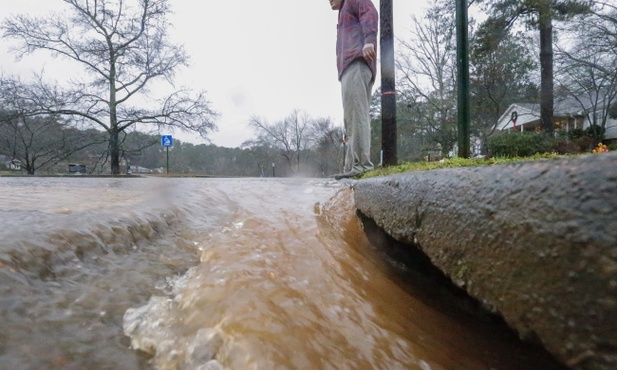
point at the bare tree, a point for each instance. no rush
(539, 14)
(328, 144)
(123, 48)
(587, 63)
(500, 75)
(37, 141)
(427, 66)
(290, 135)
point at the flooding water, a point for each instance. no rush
(147, 273)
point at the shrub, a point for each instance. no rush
(596, 132)
(586, 144)
(520, 144)
(576, 133)
(565, 146)
(583, 141)
(612, 111)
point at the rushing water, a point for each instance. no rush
(142, 273)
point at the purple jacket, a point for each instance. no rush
(357, 25)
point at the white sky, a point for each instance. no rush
(253, 57)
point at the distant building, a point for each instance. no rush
(568, 114)
(77, 168)
(138, 169)
(7, 163)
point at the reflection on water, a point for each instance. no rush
(218, 274)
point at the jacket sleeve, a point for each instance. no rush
(369, 20)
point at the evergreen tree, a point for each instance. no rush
(537, 14)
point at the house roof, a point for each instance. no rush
(525, 113)
(573, 107)
(570, 106)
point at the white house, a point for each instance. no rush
(139, 169)
(13, 165)
(10, 164)
(568, 114)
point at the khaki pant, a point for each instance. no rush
(356, 88)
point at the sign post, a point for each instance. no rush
(166, 142)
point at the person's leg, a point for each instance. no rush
(356, 88)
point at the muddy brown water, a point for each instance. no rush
(148, 273)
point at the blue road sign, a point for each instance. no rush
(167, 140)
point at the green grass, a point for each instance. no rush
(454, 162)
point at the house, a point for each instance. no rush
(13, 165)
(138, 169)
(568, 114)
(10, 164)
(77, 169)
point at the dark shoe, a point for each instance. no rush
(348, 174)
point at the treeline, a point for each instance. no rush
(530, 52)
(522, 51)
(47, 145)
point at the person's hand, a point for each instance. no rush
(368, 52)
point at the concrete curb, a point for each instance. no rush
(535, 242)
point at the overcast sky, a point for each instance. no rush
(253, 57)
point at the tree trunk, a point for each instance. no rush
(29, 164)
(546, 67)
(114, 151)
(114, 144)
(29, 168)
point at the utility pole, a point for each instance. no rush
(388, 92)
(462, 62)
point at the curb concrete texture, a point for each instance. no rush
(535, 242)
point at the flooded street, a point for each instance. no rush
(149, 273)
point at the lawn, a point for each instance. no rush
(455, 162)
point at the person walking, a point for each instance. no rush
(356, 56)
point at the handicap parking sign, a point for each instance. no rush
(167, 140)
